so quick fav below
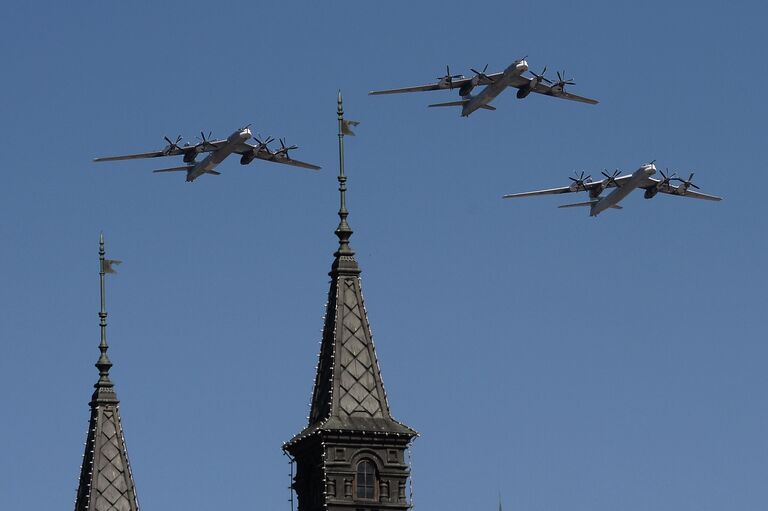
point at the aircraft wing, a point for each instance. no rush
(208, 146)
(263, 153)
(543, 88)
(295, 163)
(682, 192)
(153, 154)
(573, 97)
(521, 82)
(455, 84)
(567, 189)
(549, 191)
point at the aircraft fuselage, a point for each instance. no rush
(494, 89)
(219, 155)
(639, 178)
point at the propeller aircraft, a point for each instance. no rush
(624, 185)
(495, 84)
(218, 150)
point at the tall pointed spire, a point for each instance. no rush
(351, 455)
(106, 482)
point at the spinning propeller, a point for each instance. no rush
(562, 82)
(481, 74)
(171, 145)
(284, 149)
(665, 178)
(686, 184)
(541, 78)
(610, 178)
(579, 181)
(448, 78)
(264, 144)
(204, 142)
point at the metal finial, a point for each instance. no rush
(103, 364)
(343, 231)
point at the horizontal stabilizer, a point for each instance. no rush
(215, 173)
(488, 107)
(577, 204)
(588, 203)
(175, 169)
(452, 103)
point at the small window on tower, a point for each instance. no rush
(366, 480)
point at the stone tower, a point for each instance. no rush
(351, 456)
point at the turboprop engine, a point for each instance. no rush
(466, 89)
(536, 80)
(651, 192)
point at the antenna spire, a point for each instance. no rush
(103, 364)
(343, 231)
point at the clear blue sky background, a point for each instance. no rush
(563, 361)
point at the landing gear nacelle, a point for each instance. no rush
(650, 193)
(247, 158)
(523, 93)
(466, 89)
(189, 156)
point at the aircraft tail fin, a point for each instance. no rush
(451, 103)
(183, 168)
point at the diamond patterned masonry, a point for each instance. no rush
(106, 483)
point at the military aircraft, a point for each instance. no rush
(641, 178)
(237, 143)
(495, 84)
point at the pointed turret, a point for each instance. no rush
(106, 483)
(351, 454)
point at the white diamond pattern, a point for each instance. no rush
(359, 394)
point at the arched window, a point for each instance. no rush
(366, 480)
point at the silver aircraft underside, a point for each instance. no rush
(495, 84)
(218, 150)
(624, 185)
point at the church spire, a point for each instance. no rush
(106, 482)
(352, 452)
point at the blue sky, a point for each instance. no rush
(570, 362)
